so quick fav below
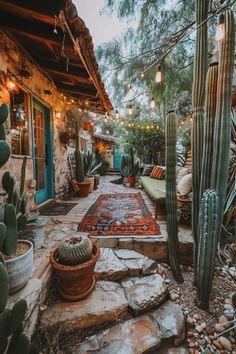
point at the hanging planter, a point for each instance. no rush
(86, 125)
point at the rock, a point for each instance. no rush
(226, 344)
(209, 330)
(128, 254)
(107, 303)
(228, 301)
(223, 320)
(109, 266)
(149, 266)
(198, 329)
(133, 336)
(229, 315)
(131, 260)
(174, 296)
(145, 293)
(170, 319)
(219, 327)
(179, 350)
(190, 321)
(217, 344)
(228, 307)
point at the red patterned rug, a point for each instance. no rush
(119, 214)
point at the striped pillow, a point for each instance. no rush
(158, 173)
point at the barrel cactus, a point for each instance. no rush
(171, 197)
(75, 250)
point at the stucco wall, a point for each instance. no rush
(12, 59)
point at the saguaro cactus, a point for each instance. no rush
(198, 97)
(171, 198)
(208, 220)
(79, 166)
(209, 123)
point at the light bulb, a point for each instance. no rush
(158, 74)
(153, 102)
(220, 32)
(105, 120)
(142, 74)
(130, 88)
(157, 127)
(107, 132)
(10, 85)
(117, 114)
(130, 109)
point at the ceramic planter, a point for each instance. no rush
(84, 188)
(39, 229)
(75, 282)
(20, 269)
(91, 181)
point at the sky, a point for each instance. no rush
(102, 27)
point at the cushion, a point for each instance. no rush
(147, 170)
(185, 184)
(155, 188)
(158, 173)
(180, 173)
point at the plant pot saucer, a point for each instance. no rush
(78, 297)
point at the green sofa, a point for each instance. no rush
(155, 188)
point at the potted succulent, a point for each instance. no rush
(73, 263)
(84, 186)
(129, 169)
(18, 253)
(91, 167)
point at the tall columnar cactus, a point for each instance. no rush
(209, 123)
(171, 198)
(13, 340)
(79, 164)
(4, 147)
(198, 97)
(207, 248)
(222, 129)
(10, 221)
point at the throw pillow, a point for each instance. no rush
(147, 170)
(185, 185)
(180, 173)
(158, 173)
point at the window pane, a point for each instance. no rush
(19, 123)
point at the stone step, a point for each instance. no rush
(144, 334)
(107, 303)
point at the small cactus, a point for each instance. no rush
(75, 250)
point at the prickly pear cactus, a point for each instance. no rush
(75, 250)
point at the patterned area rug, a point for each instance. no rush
(119, 214)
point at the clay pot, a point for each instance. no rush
(75, 282)
(84, 188)
(20, 268)
(91, 181)
(96, 182)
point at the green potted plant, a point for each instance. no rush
(13, 339)
(84, 186)
(91, 167)
(73, 263)
(18, 253)
(129, 169)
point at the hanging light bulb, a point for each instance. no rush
(158, 74)
(153, 105)
(220, 32)
(130, 88)
(142, 74)
(130, 109)
(107, 132)
(10, 85)
(105, 120)
(117, 114)
(157, 126)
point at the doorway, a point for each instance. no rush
(42, 151)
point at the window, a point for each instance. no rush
(19, 114)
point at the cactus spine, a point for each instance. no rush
(79, 166)
(171, 198)
(75, 250)
(198, 95)
(207, 246)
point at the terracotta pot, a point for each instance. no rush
(130, 180)
(86, 125)
(96, 182)
(84, 188)
(75, 282)
(91, 181)
(20, 268)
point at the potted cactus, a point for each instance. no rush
(91, 168)
(74, 262)
(84, 187)
(13, 339)
(129, 169)
(18, 253)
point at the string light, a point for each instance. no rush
(130, 109)
(10, 85)
(220, 32)
(152, 102)
(142, 74)
(107, 132)
(158, 74)
(130, 88)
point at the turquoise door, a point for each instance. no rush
(42, 149)
(117, 158)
